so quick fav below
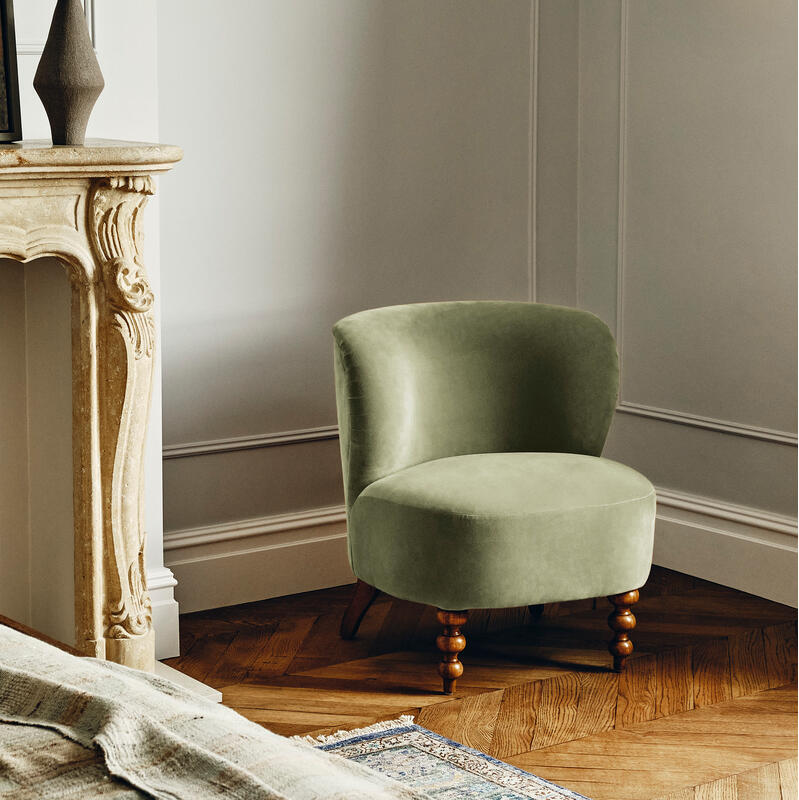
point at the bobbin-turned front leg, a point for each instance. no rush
(621, 622)
(450, 643)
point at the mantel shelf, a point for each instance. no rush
(97, 157)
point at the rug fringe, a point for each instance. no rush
(378, 727)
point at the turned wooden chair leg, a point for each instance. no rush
(535, 613)
(621, 622)
(450, 643)
(363, 596)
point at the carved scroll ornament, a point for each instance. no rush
(116, 206)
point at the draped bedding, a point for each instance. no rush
(76, 727)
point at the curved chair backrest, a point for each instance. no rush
(432, 380)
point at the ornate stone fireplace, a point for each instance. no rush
(84, 206)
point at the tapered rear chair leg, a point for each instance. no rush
(621, 622)
(451, 642)
(535, 613)
(363, 596)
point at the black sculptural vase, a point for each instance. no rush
(68, 79)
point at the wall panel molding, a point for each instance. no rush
(532, 196)
(254, 559)
(234, 443)
(625, 406)
(622, 182)
(326, 432)
(709, 423)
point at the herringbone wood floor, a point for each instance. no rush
(705, 711)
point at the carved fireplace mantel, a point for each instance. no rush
(84, 206)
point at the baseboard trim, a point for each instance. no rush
(738, 546)
(255, 559)
(747, 515)
(161, 585)
(246, 528)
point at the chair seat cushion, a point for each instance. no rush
(496, 530)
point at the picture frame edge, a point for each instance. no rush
(10, 66)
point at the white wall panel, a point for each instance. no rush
(339, 156)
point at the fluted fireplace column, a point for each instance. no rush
(84, 206)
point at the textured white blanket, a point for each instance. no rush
(78, 728)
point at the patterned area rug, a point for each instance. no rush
(439, 767)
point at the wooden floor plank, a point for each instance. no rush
(441, 718)
(206, 653)
(762, 783)
(282, 647)
(711, 668)
(244, 649)
(637, 700)
(788, 781)
(748, 670)
(324, 645)
(477, 720)
(704, 745)
(597, 709)
(515, 725)
(705, 709)
(779, 645)
(674, 682)
(688, 793)
(398, 630)
(574, 705)
(723, 789)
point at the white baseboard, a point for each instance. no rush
(254, 559)
(738, 546)
(239, 562)
(161, 586)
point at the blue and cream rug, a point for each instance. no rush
(439, 767)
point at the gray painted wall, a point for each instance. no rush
(366, 153)
(633, 158)
(694, 261)
(679, 178)
(14, 545)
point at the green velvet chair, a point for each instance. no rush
(471, 435)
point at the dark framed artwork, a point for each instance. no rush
(10, 117)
